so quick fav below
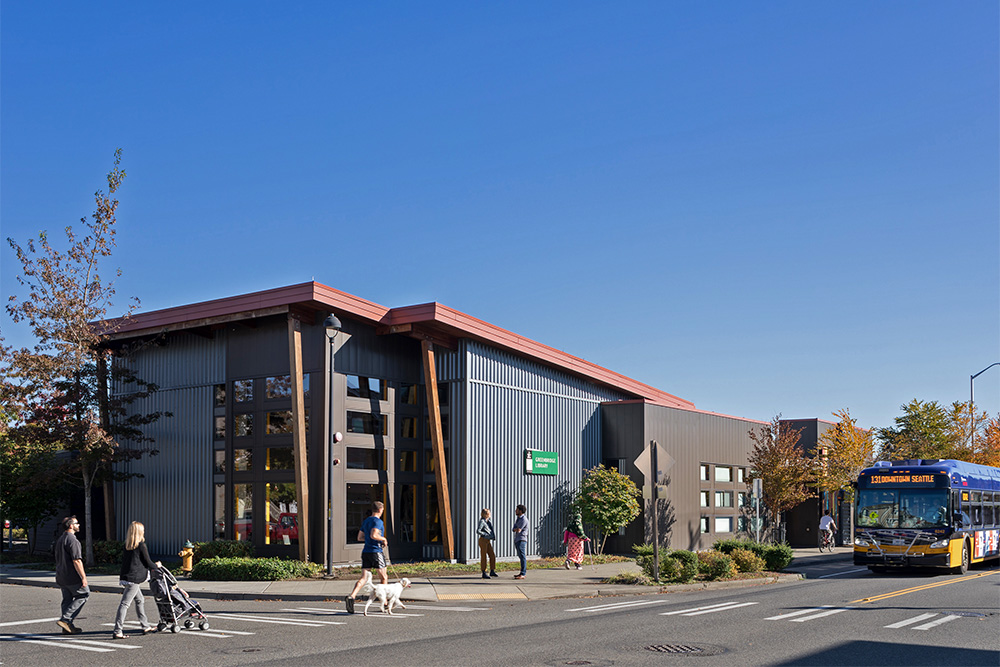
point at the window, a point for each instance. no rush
(219, 532)
(430, 462)
(704, 524)
(220, 428)
(444, 427)
(282, 514)
(433, 518)
(365, 459)
(243, 391)
(723, 474)
(704, 472)
(407, 513)
(243, 426)
(366, 422)
(742, 499)
(359, 504)
(741, 475)
(359, 386)
(280, 458)
(278, 422)
(243, 460)
(705, 499)
(723, 498)
(407, 460)
(409, 427)
(220, 462)
(220, 395)
(723, 524)
(242, 512)
(408, 394)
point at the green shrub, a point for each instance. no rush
(715, 565)
(778, 556)
(689, 565)
(253, 569)
(630, 579)
(729, 546)
(746, 560)
(670, 568)
(109, 552)
(223, 549)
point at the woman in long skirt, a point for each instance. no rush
(573, 538)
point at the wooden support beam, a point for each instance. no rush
(437, 440)
(299, 435)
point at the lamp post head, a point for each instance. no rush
(332, 325)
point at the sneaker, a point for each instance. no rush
(349, 601)
(66, 626)
(566, 564)
(519, 576)
(579, 567)
(494, 574)
(75, 630)
(485, 576)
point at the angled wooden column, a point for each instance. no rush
(437, 441)
(299, 434)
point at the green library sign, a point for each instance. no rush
(541, 463)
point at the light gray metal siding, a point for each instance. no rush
(514, 404)
(173, 498)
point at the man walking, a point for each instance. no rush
(520, 531)
(70, 575)
(372, 558)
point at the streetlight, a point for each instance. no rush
(972, 402)
(332, 326)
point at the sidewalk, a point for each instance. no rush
(540, 584)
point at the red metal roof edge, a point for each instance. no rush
(320, 295)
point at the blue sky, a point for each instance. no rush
(760, 207)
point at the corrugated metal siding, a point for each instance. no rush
(185, 361)
(514, 404)
(173, 498)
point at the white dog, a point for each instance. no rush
(386, 594)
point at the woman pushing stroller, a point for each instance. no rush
(573, 538)
(136, 565)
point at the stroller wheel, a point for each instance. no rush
(160, 626)
(203, 625)
(189, 624)
(175, 628)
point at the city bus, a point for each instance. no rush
(930, 512)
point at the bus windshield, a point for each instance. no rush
(902, 508)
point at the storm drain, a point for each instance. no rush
(675, 648)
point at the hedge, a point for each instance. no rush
(776, 556)
(253, 569)
(223, 549)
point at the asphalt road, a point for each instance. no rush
(840, 616)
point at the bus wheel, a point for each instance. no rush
(963, 567)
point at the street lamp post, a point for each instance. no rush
(972, 402)
(332, 326)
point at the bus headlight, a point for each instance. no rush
(861, 542)
(940, 544)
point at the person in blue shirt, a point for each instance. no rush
(372, 558)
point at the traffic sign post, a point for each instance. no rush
(758, 491)
(654, 462)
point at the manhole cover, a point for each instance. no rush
(971, 614)
(675, 648)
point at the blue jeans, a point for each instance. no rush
(73, 599)
(522, 555)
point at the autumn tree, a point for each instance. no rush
(841, 453)
(606, 499)
(924, 431)
(65, 307)
(781, 465)
(988, 449)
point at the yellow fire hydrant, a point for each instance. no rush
(187, 558)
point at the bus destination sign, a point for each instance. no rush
(919, 480)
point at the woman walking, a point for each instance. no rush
(573, 538)
(136, 565)
(486, 538)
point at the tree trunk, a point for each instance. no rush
(87, 514)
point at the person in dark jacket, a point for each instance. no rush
(486, 538)
(136, 565)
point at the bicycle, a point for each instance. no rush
(826, 541)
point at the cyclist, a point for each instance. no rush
(826, 527)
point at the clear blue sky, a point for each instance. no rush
(761, 207)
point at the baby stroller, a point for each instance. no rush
(173, 603)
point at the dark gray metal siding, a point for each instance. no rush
(514, 404)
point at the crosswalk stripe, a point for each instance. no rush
(328, 612)
(395, 614)
(909, 621)
(36, 620)
(214, 632)
(54, 642)
(712, 611)
(796, 613)
(618, 605)
(829, 612)
(252, 619)
(99, 643)
(415, 606)
(933, 624)
(704, 609)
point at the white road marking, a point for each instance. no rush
(378, 614)
(36, 620)
(59, 643)
(829, 612)
(201, 633)
(707, 609)
(618, 605)
(909, 621)
(934, 624)
(253, 619)
(416, 606)
(837, 574)
(796, 613)
(97, 643)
